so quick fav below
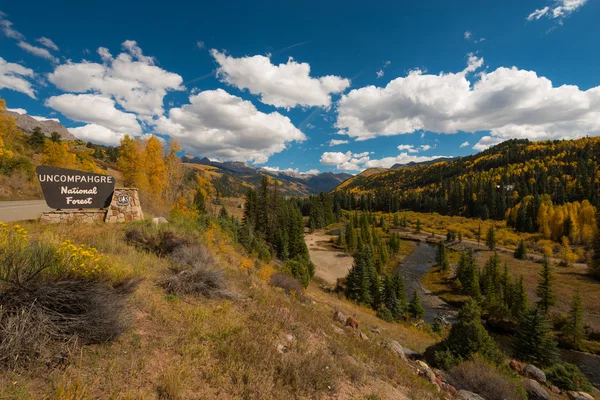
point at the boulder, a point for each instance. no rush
(339, 317)
(430, 375)
(337, 329)
(397, 349)
(466, 395)
(535, 391)
(533, 372)
(423, 365)
(554, 389)
(573, 395)
(159, 221)
(515, 365)
(352, 322)
(362, 335)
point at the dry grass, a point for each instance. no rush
(479, 377)
(222, 349)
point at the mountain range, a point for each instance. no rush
(27, 124)
(232, 178)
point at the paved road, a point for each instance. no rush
(20, 210)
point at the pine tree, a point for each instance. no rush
(418, 226)
(545, 289)
(520, 303)
(396, 222)
(415, 309)
(399, 287)
(490, 239)
(521, 251)
(442, 257)
(535, 342)
(478, 234)
(200, 202)
(573, 329)
(468, 337)
(460, 237)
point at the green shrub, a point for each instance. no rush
(568, 377)
(385, 314)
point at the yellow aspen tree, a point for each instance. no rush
(58, 155)
(558, 220)
(130, 162)
(543, 220)
(8, 125)
(154, 167)
(5, 154)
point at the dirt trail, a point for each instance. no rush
(330, 264)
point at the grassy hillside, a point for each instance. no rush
(250, 341)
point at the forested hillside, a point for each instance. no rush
(509, 181)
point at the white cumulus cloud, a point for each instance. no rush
(508, 102)
(16, 77)
(464, 144)
(559, 10)
(95, 109)
(219, 125)
(131, 79)
(48, 43)
(408, 147)
(97, 134)
(358, 162)
(37, 51)
(285, 85)
(336, 142)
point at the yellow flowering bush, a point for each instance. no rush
(82, 260)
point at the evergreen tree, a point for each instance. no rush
(418, 226)
(200, 202)
(460, 237)
(415, 309)
(545, 289)
(396, 222)
(490, 239)
(521, 251)
(519, 303)
(478, 234)
(468, 337)
(399, 289)
(390, 299)
(55, 137)
(466, 273)
(359, 280)
(573, 329)
(535, 342)
(37, 138)
(442, 257)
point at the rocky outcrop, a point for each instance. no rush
(535, 391)
(27, 124)
(579, 396)
(397, 349)
(338, 316)
(533, 372)
(466, 395)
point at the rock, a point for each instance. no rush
(533, 372)
(352, 322)
(430, 375)
(362, 335)
(376, 330)
(159, 221)
(535, 391)
(554, 389)
(280, 348)
(339, 317)
(515, 365)
(466, 395)
(397, 349)
(423, 365)
(290, 337)
(411, 354)
(337, 329)
(573, 395)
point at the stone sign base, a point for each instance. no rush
(69, 216)
(124, 207)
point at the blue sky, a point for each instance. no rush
(328, 86)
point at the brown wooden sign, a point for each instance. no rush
(67, 188)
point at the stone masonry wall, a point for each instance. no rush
(73, 216)
(125, 206)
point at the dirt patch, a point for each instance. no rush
(330, 264)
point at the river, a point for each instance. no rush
(418, 263)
